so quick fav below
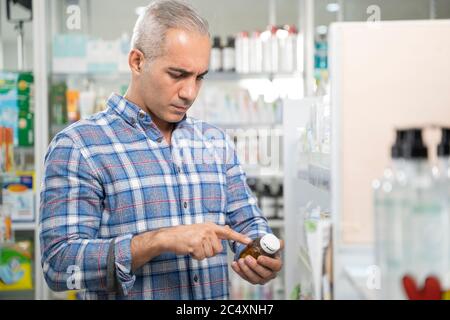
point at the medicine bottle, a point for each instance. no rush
(267, 245)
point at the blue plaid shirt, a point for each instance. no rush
(113, 176)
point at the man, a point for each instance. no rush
(138, 200)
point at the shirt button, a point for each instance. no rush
(141, 115)
(159, 140)
(195, 278)
(185, 205)
(178, 169)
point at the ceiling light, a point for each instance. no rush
(333, 7)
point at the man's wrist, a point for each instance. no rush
(157, 241)
(146, 246)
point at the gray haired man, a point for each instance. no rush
(121, 203)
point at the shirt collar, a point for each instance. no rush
(124, 108)
(132, 113)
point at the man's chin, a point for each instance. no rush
(175, 118)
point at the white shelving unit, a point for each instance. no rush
(40, 71)
(302, 188)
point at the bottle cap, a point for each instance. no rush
(217, 42)
(270, 243)
(290, 28)
(397, 150)
(444, 146)
(243, 34)
(272, 28)
(413, 146)
(230, 42)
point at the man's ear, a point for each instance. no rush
(136, 61)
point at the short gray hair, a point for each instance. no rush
(158, 17)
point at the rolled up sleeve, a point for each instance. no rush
(73, 256)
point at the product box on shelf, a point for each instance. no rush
(16, 106)
(69, 53)
(16, 266)
(58, 102)
(78, 54)
(18, 192)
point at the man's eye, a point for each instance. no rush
(176, 75)
(200, 78)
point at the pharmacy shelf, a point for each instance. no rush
(233, 76)
(17, 295)
(25, 150)
(7, 174)
(99, 75)
(247, 125)
(276, 223)
(317, 175)
(263, 173)
(56, 128)
(23, 226)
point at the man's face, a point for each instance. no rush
(171, 83)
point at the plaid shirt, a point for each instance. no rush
(113, 176)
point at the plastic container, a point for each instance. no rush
(229, 56)
(215, 64)
(267, 245)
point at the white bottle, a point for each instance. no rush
(287, 50)
(215, 64)
(426, 218)
(267, 46)
(389, 222)
(229, 56)
(268, 203)
(256, 53)
(242, 53)
(299, 61)
(87, 101)
(443, 178)
(238, 52)
(275, 49)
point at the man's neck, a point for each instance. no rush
(165, 127)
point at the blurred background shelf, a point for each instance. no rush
(276, 223)
(23, 226)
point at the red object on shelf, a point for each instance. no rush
(430, 291)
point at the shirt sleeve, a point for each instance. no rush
(71, 205)
(243, 213)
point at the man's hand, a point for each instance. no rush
(200, 240)
(258, 271)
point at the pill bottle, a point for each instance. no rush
(267, 245)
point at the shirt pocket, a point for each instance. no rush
(213, 189)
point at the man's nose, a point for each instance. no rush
(188, 91)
